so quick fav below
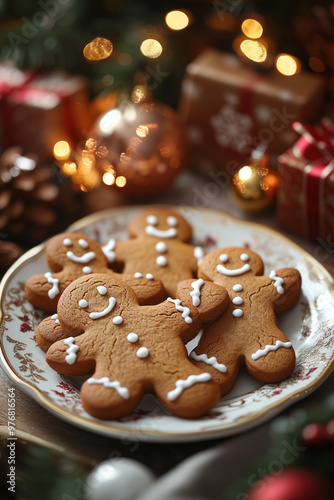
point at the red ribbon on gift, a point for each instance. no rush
(316, 147)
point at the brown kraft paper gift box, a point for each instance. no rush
(230, 109)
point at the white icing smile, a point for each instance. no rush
(152, 221)
(84, 259)
(168, 233)
(233, 272)
(107, 310)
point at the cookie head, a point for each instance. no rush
(75, 250)
(162, 224)
(94, 299)
(231, 263)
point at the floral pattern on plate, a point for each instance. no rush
(309, 326)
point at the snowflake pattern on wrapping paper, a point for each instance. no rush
(232, 128)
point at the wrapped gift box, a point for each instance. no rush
(305, 198)
(37, 110)
(230, 109)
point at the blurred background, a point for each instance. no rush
(112, 102)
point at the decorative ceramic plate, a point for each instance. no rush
(309, 326)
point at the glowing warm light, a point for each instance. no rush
(287, 65)
(252, 28)
(61, 150)
(90, 144)
(245, 173)
(254, 50)
(142, 130)
(102, 152)
(109, 121)
(69, 168)
(151, 48)
(120, 181)
(138, 95)
(98, 49)
(177, 20)
(108, 178)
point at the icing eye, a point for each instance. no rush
(83, 303)
(83, 243)
(102, 290)
(67, 242)
(172, 221)
(244, 257)
(152, 220)
(223, 257)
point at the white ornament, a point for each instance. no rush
(118, 479)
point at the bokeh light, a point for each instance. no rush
(254, 50)
(177, 20)
(120, 181)
(98, 49)
(151, 48)
(61, 150)
(69, 168)
(287, 65)
(108, 178)
(252, 28)
(245, 173)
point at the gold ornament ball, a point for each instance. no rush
(138, 149)
(254, 188)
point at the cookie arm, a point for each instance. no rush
(43, 291)
(71, 356)
(286, 288)
(49, 331)
(208, 298)
(147, 290)
(194, 257)
(116, 250)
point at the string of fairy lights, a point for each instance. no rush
(251, 44)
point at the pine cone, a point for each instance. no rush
(9, 253)
(28, 197)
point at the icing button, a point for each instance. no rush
(132, 337)
(237, 301)
(237, 313)
(142, 352)
(161, 261)
(161, 247)
(237, 288)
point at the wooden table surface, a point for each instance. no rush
(34, 423)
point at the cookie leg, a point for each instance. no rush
(222, 365)
(270, 360)
(107, 397)
(190, 393)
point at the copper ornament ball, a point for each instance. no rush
(138, 149)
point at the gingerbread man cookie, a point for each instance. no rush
(159, 245)
(247, 332)
(129, 350)
(71, 255)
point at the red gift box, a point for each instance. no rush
(37, 110)
(305, 198)
(230, 109)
